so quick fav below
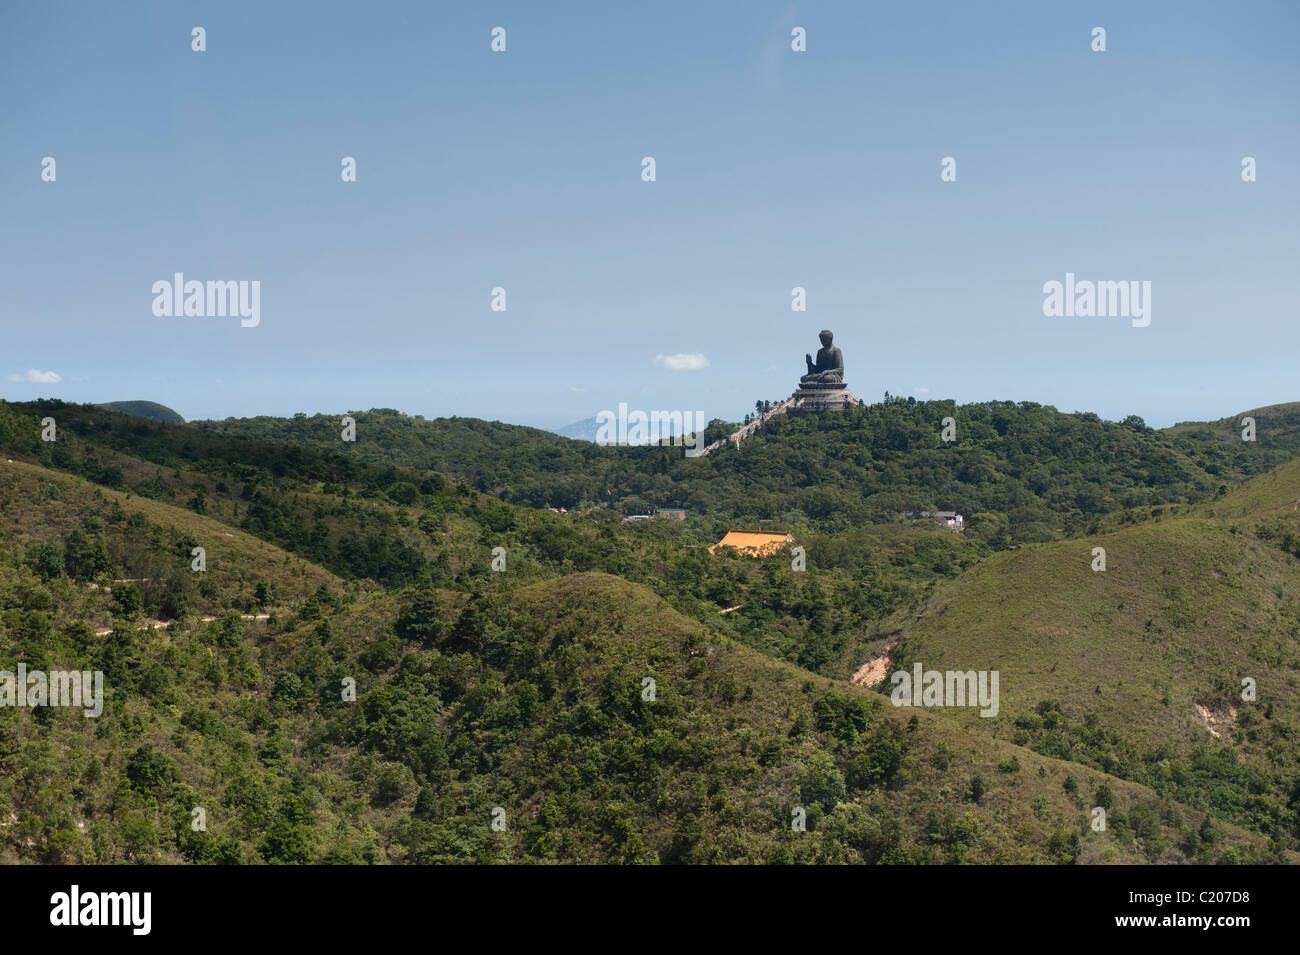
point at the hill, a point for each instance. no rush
(528, 708)
(108, 542)
(1139, 670)
(1218, 448)
(149, 410)
(521, 689)
(394, 526)
(339, 505)
(1019, 471)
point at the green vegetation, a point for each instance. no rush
(1019, 471)
(1217, 446)
(145, 409)
(1139, 671)
(397, 527)
(350, 682)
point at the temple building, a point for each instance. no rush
(754, 543)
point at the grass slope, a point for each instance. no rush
(147, 539)
(1138, 670)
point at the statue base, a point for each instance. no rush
(814, 396)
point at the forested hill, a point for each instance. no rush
(145, 409)
(1018, 471)
(1225, 449)
(1023, 471)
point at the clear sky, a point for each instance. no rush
(774, 169)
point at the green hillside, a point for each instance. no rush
(529, 704)
(1138, 670)
(521, 690)
(92, 534)
(1017, 470)
(394, 527)
(1218, 448)
(145, 409)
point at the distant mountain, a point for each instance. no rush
(588, 428)
(584, 430)
(145, 409)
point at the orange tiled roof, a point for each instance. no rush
(754, 543)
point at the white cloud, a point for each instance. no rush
(37, 377)
(921, 390)
(577, 389)
(682, 362)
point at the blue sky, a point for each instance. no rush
(522, 170)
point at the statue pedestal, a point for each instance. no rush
(814, 396)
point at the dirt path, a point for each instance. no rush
(159, 624)
(155, 625)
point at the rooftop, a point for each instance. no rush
(754, 543)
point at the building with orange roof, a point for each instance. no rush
(754, 543)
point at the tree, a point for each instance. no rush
(1064, 847)
(287, 843)
(403, 492)
(264, 592)
(288, 688)
(822, 783)
(45, 559)
(127, 601)
(138, 836)
(420, 619)
(150, 771)
(84, 556)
